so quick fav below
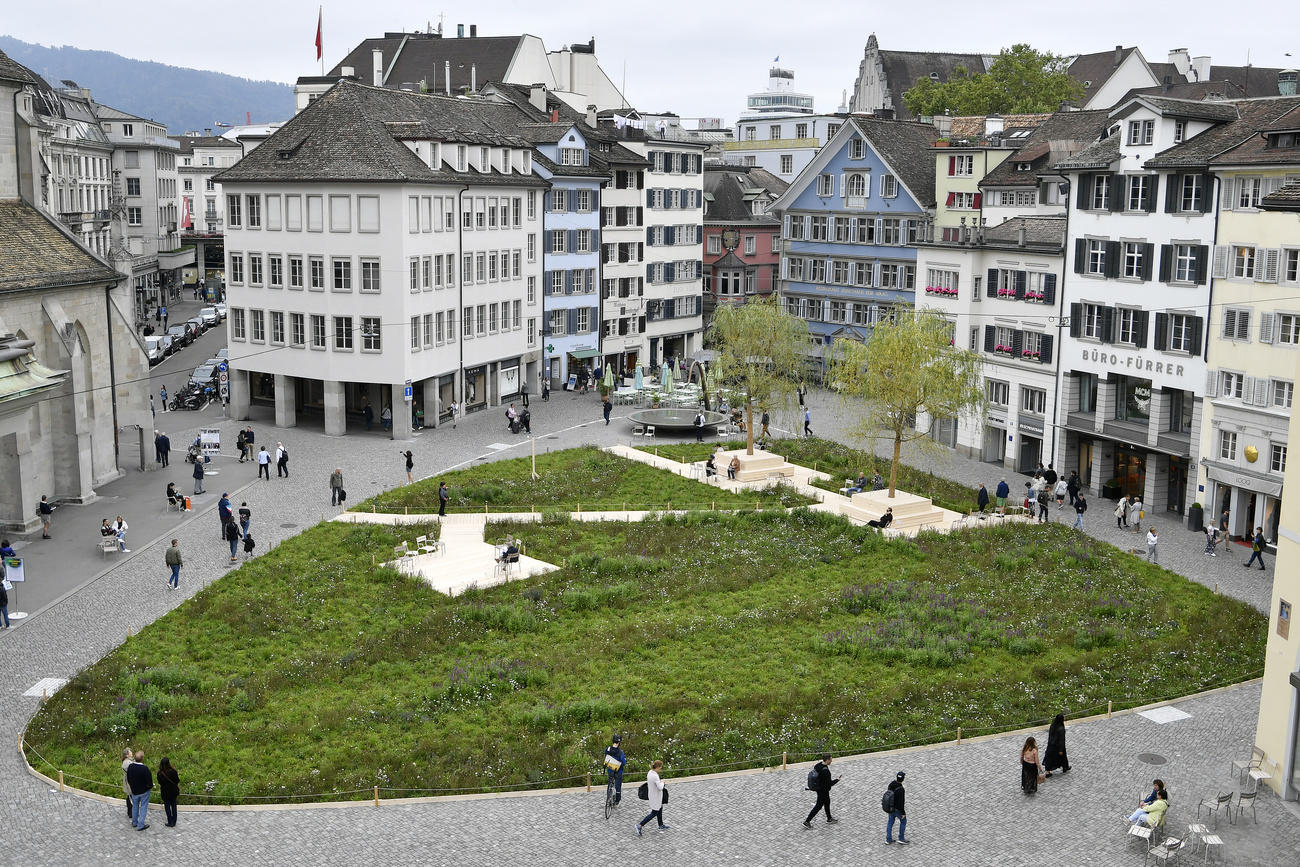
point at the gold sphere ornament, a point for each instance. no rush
(1252, 454)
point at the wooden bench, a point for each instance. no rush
(108, 545)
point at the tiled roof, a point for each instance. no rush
(354, 132)
(1252, 81)
(189, 142)
(595, 170)
(1041, 231)
(1092, 71)
(1249, 116)
(12, 70)
(1101, 155)
(903, 68)
(1193, 108)
(1061, 135)
(905, 146)
(35, 254)
(1254, 150)
(414, 57)
(1283, 199)
(1193, 90)
(518, 96)
(972, 127)
(726, 185)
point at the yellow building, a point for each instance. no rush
(970, 149)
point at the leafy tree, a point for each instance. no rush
(1020, 81)
(906, 368)
(761, 351)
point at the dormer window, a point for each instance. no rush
(1180, 130)
(571, 156)
(1283, 140)
(483, 160)
(1024, 167)
(1141, 132)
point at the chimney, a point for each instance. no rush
(207, 130)
(473, 74)
(1180, 60)
(591, 116)
(537, 97)
(1201, 68)
(555, 115)
(473, 31)
(460, 31)
(377, 56)
(1119, 54)
(993, 125)
(1286, 82)
(446, 77)
(1020, 236)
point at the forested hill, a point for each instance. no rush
(184, 99)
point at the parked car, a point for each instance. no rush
(204, 374)
(180, 335)
(224, 353)
(167, 343)
(196, 327)
(210, 316)
(153, 348)
(221, 309)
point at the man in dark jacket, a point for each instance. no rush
(1003, 491)
(982, 498)
(1051, 475)
(899, 812)
(823, 790)
(224, 512)
(1073, 485)
(140, 779)
(165, 449)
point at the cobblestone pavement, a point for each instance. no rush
(963, 800)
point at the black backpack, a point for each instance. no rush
(887, 801)
(814, 779)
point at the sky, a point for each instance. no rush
(699, 60)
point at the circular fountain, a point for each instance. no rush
(675, 419)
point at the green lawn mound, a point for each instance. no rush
(706, 640)
(841, 462)
(587, 478)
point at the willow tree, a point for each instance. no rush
(905, 369)
(761, 352)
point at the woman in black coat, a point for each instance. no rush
(1055, 757)
(169, 784)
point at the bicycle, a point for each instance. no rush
(613, 776)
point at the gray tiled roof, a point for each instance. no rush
(1041, 231)
(903, 68)
(1283, 199)
(518, 95)
(35, 254)
(189, 142)
(727, 185)
(1249, 117)
(1101, 155)
(1062, 134)
(12, 70)
(413, 57)
(1254, 149)
(905, 146)
(354, 132)
(1193, 108)
(1094, 70)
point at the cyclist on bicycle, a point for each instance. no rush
(614, 761)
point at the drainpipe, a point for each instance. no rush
(1209, 307)
(460, 288)
(1060, 328)
(112, 369)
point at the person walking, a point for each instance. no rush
(225, 514)
(232, 536)
(1135, 513)
(656, 796)
(264, 464)
(386, 415)
(896, 801)
(443, 496)
(242, 445)
(172, 558)
(1051, 476)
(198, 476)
(807, 422)
(248, 440)
(1030, 772)
(281, 462)
(162, 394)
(45, 510)
(820, 778)
(766, 420)
(169, 788)
(245, 517)
(157, 441)
(523, 391)
(982, 498)
(1002, 492)
(165, 448)
(1080, 506)
(336, 485)
(1073, 486)
(455, 411)
(1055, 758)
(4, 596)
(1211, 539)
(127, 758)
(119, 530)
(1042, 507)
(140, 779)
(410, 465)
(1061, 489)
(369, 415)
(1257, 549)
(1121, 513)
(605, 407)
(699, 426)
(1153, 551)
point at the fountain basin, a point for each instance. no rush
(675, 419)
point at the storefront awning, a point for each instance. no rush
(585, 353)
(1249, 481)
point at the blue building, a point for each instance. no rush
(570, 249)
(850, 222)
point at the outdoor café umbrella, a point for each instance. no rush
(609, 376)
(668, 378)
(636, 378)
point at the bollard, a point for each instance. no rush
(958, 735)
(376, 796)
(1107, 710)
(372, 508)
(43, 696)
(588, 781)
(408, 510)
(783, 757)
(579, 509)
(60, 781)
(713, 505)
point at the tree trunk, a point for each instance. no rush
(893, 467)
(749, 427)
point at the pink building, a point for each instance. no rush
(742, 241)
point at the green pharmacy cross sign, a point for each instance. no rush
(550, 347)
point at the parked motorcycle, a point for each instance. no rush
(192, 396)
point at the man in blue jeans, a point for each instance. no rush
(140, 779)
(1080, 506)
(614, 754)
(899, 812)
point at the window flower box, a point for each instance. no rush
(1002, 348)
(1035, 296)
(1006, 293)
(1030, 354)
(942, 291)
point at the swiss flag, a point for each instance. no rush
(319, 41)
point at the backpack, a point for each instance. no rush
(814, 779)
(249, 544)
(887, 801)
(284, 454)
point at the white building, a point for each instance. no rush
(778, 130)
(383, 238)
(202, 205)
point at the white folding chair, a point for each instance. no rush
(650, 431)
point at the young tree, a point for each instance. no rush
(761, 352)
(1019, 81)
(906, 368)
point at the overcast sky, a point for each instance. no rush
(698, 59)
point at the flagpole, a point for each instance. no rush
(320, 38)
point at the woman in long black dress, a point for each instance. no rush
(1056, 757)
(1029, 767)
